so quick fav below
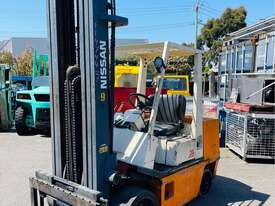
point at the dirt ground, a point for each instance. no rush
(237, 183)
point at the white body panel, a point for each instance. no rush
(197, 113)
(175, 151)
(135, 148)
(132, 117)
(139, 148)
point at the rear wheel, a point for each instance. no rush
(135, 196)
(20, 125)
(47, 133)
(206, 183)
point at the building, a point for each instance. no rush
(247, 90)
(248, 57)
(17, 45)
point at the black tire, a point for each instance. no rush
(20, 125)
(134, 196)
(47, 133)
(206, 183)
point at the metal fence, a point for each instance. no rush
(251, 135)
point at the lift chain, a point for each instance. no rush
(73, 126)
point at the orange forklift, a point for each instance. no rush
(155, 154)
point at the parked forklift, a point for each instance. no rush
(127, 76)
(32, 114)
(151, 155)
(5, 103)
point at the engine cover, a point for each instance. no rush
(175, 151)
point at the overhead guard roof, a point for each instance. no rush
(155, 49)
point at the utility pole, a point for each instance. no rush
(197, 8)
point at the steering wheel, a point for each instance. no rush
(140, 104)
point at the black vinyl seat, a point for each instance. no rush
(171, 111)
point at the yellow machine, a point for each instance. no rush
(127, 76)
(177, 84)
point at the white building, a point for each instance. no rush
(17, 45)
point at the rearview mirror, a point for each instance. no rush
(159, 64)
(7, 83)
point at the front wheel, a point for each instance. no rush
(135, 196)
(206, 183)
(20, 125)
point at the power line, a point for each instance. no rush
(207, 6)
(161, 28)
(156, 26)
(207, 14)
(155, 11)
(159, 12)
(153, 8)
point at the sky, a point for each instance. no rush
(155, 20)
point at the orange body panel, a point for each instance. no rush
(186, 182)
(211, 144)
(186, 185)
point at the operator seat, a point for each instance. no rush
(171, 112)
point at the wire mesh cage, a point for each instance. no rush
(251, 135)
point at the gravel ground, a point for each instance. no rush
(237, 183)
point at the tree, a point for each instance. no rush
(176, 65)
(215, 30)
(24, 62)
(6, 58)
(130, 60)
(180, 65)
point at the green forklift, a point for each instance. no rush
(32, 114)
(5, 103)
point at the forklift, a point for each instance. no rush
(32, 106)
(5, 98)
(151, 155)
